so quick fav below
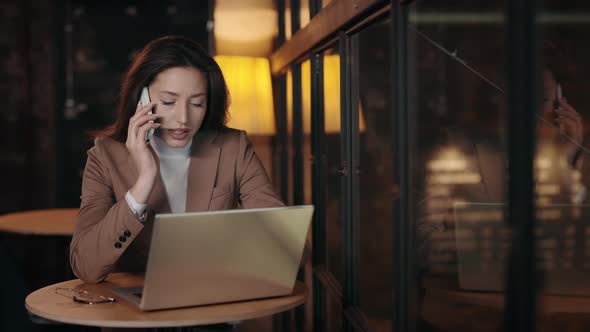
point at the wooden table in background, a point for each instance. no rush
(40, 228)
(51, 222)
(459, 310)
(122, 314)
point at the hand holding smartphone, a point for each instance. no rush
(558, 97)
(145, 99)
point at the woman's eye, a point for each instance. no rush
(167, 103)
(197, 105)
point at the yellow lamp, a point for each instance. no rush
(249, 83)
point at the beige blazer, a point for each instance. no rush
(224, 172)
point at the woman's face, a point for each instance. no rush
(180, 94)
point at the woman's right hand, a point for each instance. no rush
(140, 151)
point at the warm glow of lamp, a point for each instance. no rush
(245, 27)
(303, 19)
(331, 97)
(248, 80)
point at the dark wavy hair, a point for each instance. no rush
(161, 54)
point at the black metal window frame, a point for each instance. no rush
(520, 310)
(325, 282)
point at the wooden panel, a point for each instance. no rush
(329, 20)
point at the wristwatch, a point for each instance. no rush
(141, 218)
(130, 203)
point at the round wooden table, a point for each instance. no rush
(40, 228)
(122, 314)
(51, 222)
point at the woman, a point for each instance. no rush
(192, 163)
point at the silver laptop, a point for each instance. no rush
(222, 256)
(483, 240)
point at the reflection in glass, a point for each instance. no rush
(332, 161)
(333, 314)
(287, 17)
(463, 237)
(306, 109)
(304, 13)
(562, 226)
(307, 183)
(459, 159)
(304, 17)
(376, 176)
(290, 152)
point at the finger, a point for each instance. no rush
(569, 117)
(565, 106)
(137, 120)
(140, 121)
(570, 125)
(141, 132)
(569, 113)
(142, 111)
(138, 108)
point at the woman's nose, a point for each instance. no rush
(182, 114)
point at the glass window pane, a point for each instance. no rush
(561, 169)
(307, 183)
(376, 175)
(304, 17)
(458, 68)
(305, 14)
(306, 110)
(332, 161)
(288, 25)
(290, 152)
(333, 314)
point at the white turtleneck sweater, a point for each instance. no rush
(174, 172)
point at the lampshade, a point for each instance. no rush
(249, 83)
(230, 18)
(331, 97)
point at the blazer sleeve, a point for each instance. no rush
(101, 222)
(255, 188)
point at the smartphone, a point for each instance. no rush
(145, 99)
(558, 96)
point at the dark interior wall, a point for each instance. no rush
(105, 37)
(27, 127)
(61, 65)
(61, 68)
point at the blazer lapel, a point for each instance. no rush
(202, 172)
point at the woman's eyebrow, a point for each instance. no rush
(176, 94)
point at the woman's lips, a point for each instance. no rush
(178, 134)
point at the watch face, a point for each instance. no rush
(143, 216)
(137, 216)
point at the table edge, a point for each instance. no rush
(158, 324)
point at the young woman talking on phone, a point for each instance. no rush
(192, 162)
